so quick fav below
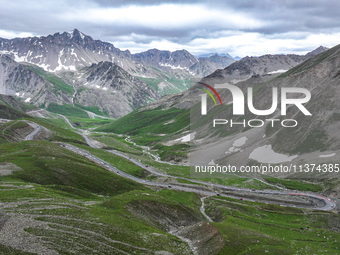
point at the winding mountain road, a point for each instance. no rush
(209, 190)
(34, 132)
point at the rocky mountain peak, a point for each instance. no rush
(71, 37)
(106, 68)
(65, 51)
(316, 51)
(164, 59)
(76, 35)
(110, 87)
(249, 66)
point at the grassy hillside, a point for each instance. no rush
(46, 163)
(57, 133)
(7, 112)
(15, 103)
(55, 187)
(11, 108)
(93, 109)
(14, 131)
(77, 207)
(57, 82)
(85, 123)
(67, 110)
(149, 121)
(151, 127)
(254, 228)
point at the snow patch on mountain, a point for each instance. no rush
(327, 155)
(265, 154)
(187, 138)
(278, 71)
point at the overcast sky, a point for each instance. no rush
(238, 27)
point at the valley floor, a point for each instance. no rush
(66, 192)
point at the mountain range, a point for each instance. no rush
(69, 51)
(51, 70)
(75, 70)
(263, 65)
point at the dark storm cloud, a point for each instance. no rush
(196, 25)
